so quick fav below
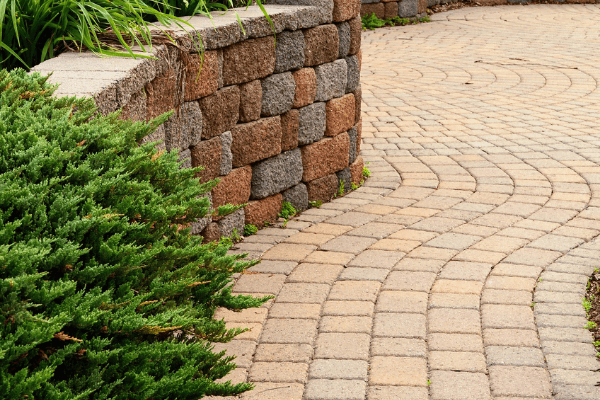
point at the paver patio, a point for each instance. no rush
(457, 271)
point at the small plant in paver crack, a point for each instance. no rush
(340, 191)
(250, 230)
(532, 305)
(591, 325)
(315, 204)
(366, 172)
(287, 210)
(428, 382)
(371, 22)
(587, 305)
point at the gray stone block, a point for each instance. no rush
(233, 221)
(201, 223)
(226, 156)
(353, 133)
(289, 51)
(408, 8)
(186, 157)
(346, 176)
(353, 74)
(345, 38)
(278, 92)
(325, 7)
(297, 196)
(190, 124)
(312, 123)
(276, 174)
(370, 1)
(331, 80)
(172, 132)
(157, 135)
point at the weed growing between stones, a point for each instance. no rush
(250, 230)
(366, 172)
(371, 22)
(591, 304)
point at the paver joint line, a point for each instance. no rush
(457, 271)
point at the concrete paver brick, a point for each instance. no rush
(399, 325)
(454, 342)
(315, 273)
(454, 321)
(338, 369)
(377, 259)
(406, 371)
(399, 347)
(335, 389)
(343, 346)
(278, 372)
(463, 361)
(363, 308)
(459, 385)
(520, 381)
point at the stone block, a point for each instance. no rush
(321, 45)
(358, 104)
(157, 135)
(322, 189)
(207, 154)
(353, 80)
(190, 124)
(201, 75)
(325, 157)
(220, 111)
(375, 8)
(306, 87)
(408, 8)
(226, 156)
(211, 233)
(290, 121)
(289, 51)
(136, 108)
(161, 94)
(231, 223)
(422, 7)
(356, 170)
(276, 174)
(172, 131)
(354, 134)
(250, 101)
(256, 141)
(343, 10)
(355, 35)
(266, 210)
(344, 178)
(277, 94)
(233, 188)
(185, 157)
(390, 9)
(340, 115)
(324, 7)
(248, 60)
(332, 79)
(297, 196)
(312, 123)
(345, 38)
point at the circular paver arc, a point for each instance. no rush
(457, 271)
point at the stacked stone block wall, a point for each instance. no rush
(274, 117)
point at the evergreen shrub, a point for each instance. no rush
(104, 294)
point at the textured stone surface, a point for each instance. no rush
(226, 156)
(161, 94)
(290, 122)
(344, 179)
(306, 87)
(340, 115)
(277, 94)
(256, 141)
(276, 174)
(312, 123)
(322, 189)
(358, 105)
(250, 101)
(190, 124)
(248, 60)
(390, 9)
(322, 45)
(323, 7)
(201, 75)
(220, 111)
(353, 80)
(289, 51)
(343, 10)
(356, 170)
(233, 188)
(355, 35)
(232, 223)
(266, 210)
(344, 38)
(324, 157)
(355, 138)
(374, 8)
(297, 196)
(331, 80)
(408, 8)
(208, 154)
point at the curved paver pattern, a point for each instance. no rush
(458, 270)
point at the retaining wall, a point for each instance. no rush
(274, 119)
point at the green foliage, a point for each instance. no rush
(340, 191)
(587, 305)
(315, 204)
(35, 30)
(287, 210)
(372, 22)
(591, 325)
(366, 172)
(105, 294)
(250, 230)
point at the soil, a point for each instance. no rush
(593, 296)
